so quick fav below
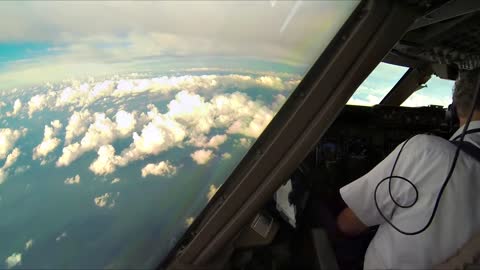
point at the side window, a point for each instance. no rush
(382, 79)
(437, 91)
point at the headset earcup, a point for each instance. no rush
(452, 117)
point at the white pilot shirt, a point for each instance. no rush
(425, 160)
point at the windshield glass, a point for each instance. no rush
(377, 85)
(436, 91)
(120, 120)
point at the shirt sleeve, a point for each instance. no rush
(359, 195)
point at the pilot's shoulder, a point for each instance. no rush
(430, 143)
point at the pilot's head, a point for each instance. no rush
(463, 95)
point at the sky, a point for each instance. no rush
(43, 41)
(383, 78)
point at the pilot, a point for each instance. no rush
(425, 161)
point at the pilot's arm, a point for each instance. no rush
(361, 212)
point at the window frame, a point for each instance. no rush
(367, 36)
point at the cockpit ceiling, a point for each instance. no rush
(454, 42)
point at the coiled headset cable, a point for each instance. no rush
(445, 182)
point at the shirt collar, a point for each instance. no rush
(472, 125)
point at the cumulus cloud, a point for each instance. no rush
(202, 156)
(106, 200)
(125, 122)
(37, 103)
(29, 244)
(9, 161)
(211, 192)
(106, 161)
(214, 142)
(17, 106)
(101, 132)
(190, 118)
(11, 158)
(115, 180)
(69, 154)
(72, 180)
(161, 134)
(56, 124)
(49, 142)
(61, 236)
(244, 142)
(77, 125)
(163, 168)
(8, 138)
(226, 156)
(84, 94)
(13, 260)
(241, 114)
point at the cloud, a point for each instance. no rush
(241, 114)
(37, 103)
(236, 111)
(244, 142)
(11, 158)
(211, 192)
(13, 260)
(101, 132)
(106, 161)
(72, 180)
(163, 168)
(115, 180)
(69, 154)
(77, 43)
(106, 200)
(214, 141)
(56, 124)
(21, 169)
(83, 94)
(161, 134)
(190, 118)
(125, 122)
(370, 100)
(61, 236)
(9, 161)
(49, 142)
(77, 125)
(29, 244)
(8, 137)
(17, 106)
(189, 221)
(191, 110)
(202, 156)
(420, 100)
(226, 156)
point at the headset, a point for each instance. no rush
(453, 117)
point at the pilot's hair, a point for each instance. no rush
(464, 91)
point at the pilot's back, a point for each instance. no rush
(426, 161)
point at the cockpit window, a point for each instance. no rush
(121, 120)
(436, 91)
(377, 85)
